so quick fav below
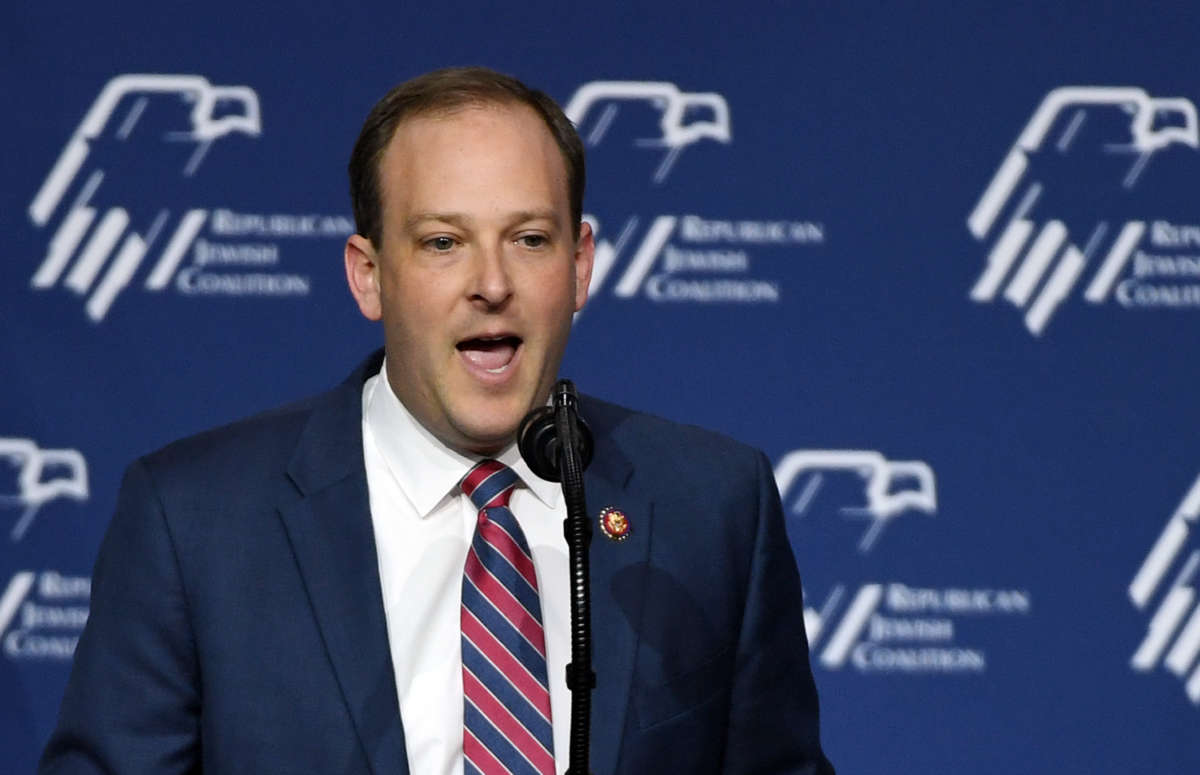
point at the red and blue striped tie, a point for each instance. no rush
(506, 699)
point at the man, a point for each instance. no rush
(314, 589)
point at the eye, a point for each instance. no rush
(440, 244)
(533, 240)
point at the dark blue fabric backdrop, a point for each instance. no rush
(941, 264)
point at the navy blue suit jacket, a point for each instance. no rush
(238, 626)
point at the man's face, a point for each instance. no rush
(479, 272)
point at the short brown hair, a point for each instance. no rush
(443, 91)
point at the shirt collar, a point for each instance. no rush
(427, 470)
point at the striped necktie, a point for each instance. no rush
(506, 699)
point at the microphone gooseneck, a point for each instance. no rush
(557, 445)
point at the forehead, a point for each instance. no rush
(476, 152)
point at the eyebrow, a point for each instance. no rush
(452, 218)
(534, 215)
(462, 220)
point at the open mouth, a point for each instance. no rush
(492, 354)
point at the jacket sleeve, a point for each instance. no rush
(132, 700)
(774, 720)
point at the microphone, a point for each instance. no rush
(557, 445)
(540, 435)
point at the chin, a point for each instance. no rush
(487, 436)
(492, 420)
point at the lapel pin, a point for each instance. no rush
(614, 524)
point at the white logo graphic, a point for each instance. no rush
(676, 258)
(678, 129)
(880, 476)
(205, 128)
(112, 200)
(43, 475)
(1033, 247)
(885, 627)
(42, 614)
(18, 590)
(1174, 629)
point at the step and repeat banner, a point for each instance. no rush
(941, 264)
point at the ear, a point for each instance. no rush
(585, 254)
(362, 275)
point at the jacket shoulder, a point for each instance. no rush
(263, 444)
(669, 448)
(250, 451)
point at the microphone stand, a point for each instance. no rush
(557, 446)
(578, 531)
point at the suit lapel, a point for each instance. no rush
(332, 538)
(617, 568)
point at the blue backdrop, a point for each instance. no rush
(942, 264)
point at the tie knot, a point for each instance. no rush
(489, 484)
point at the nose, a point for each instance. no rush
(491, 284)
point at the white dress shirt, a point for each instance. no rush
(423, 528)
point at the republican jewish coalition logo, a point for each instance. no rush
(42, 615)
(678, 125)
(41, 476)
(1095, 188)
(837, 504)
(1165, 584)
(673, 256)
(125, 191)
(883, 480)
